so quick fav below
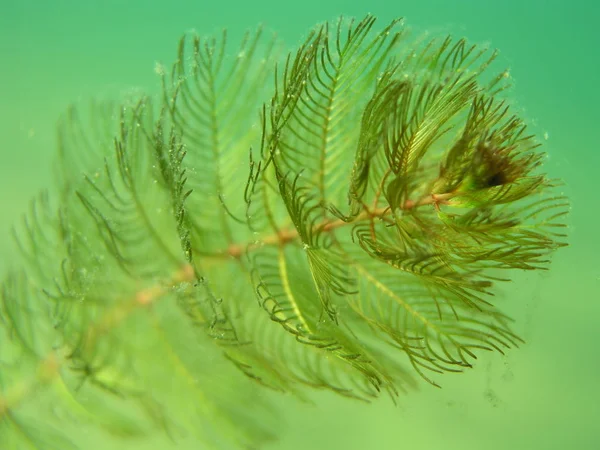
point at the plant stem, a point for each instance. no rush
(49, 367)
(282, 237)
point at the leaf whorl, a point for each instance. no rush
(436, 174)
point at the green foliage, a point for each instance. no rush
(346, 235)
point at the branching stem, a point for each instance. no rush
(283, 237)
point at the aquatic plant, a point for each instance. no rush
(335, 218)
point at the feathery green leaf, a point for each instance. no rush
(337, 218)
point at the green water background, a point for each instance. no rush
(543, 396)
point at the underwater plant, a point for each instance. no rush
(335, 218)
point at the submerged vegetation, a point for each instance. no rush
(336, 218)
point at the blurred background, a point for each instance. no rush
(545, 395)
